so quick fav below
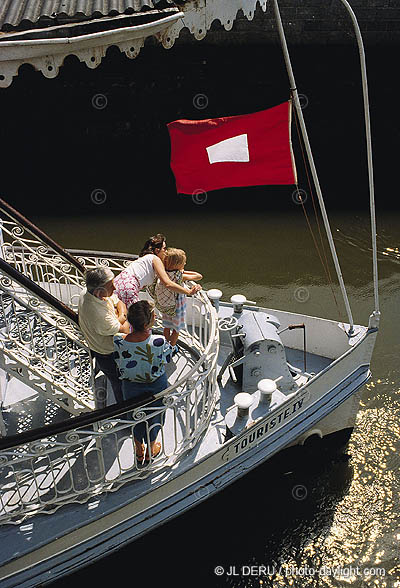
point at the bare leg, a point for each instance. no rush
(155, 448)
(167, 334)
(139, 449)
(174, 338)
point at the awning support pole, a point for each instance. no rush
(311, 162)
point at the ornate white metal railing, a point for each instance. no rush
(43, 472)
(42, 346)
(38, 257)
(90, 259)
(35, 255)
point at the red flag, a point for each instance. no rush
(245, 150)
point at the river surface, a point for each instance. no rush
(326, 523)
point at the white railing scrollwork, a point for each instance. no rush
(36, 256)
(42, 473)
(40, 344)
(43, 347)
(90, 259)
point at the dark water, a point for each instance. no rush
(99, 178)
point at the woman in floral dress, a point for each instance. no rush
(141, 358)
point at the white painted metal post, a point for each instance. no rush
(311, 162)
(369, 150)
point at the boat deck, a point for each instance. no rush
(24, 409)
(228, 390)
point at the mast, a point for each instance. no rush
(311, 162)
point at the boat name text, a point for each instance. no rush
(263, 429)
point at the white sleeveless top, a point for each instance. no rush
(143, 269)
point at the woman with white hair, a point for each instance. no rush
(100, 319)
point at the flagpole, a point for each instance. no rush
(311, 163)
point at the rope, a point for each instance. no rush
(325, 263)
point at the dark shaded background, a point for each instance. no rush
(69, 141)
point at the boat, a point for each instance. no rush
(247, 383)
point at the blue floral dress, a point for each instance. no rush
(142, 362)
(141, 368)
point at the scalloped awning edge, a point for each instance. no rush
(48, 55)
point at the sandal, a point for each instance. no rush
(155, 450)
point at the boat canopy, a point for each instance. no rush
(34, 33)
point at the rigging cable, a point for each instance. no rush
(325, 264)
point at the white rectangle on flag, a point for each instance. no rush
(233, 149)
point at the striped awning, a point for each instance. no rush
(44, 32)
